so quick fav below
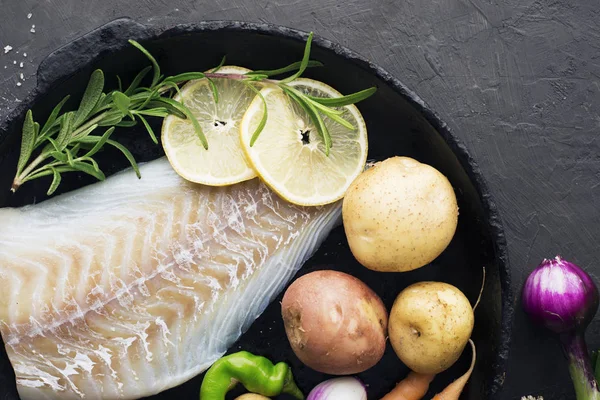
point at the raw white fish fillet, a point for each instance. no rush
(128, 287)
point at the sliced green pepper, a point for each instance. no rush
(257, 374)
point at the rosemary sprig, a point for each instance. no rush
(68, 141)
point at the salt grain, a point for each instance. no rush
(7, 48)
(15, 62)
(18, 83)
(24, 54)
(21, 65)
(29, 15)
(32, 30)
(22, 77)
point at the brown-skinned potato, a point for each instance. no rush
(335, 323)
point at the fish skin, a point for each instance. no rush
(128, 287)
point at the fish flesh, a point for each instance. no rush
(128, 287)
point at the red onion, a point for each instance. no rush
(345, 388)
(562, 297)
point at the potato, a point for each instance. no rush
(251, 396)
(430, 325)
(335, 323)
(399, 215)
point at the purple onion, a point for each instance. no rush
(562, 297)
(345, 388)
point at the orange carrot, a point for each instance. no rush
(413, 387)
(453, 390)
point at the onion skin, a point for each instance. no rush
(563, 298)
(344, 388)
(560, 296)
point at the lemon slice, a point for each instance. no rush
(224, 163)
(289, 155)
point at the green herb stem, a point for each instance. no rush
(18, 181)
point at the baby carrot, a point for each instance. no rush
(453, 390)
(413, 387)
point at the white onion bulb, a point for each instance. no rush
(345, 388)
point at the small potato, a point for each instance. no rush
(251, 396)
(399, 215)
(335, 323)
(430, 325)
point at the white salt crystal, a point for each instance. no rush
(32, 30)
(29, 15)
(7, 48)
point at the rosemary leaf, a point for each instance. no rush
(263, 120)
(155, 67)
(90, 97)
(103, 103)
(213, 87)
(322, 108)
(58, 156)
(137, 80)
(172, 85)
(91, 161)
(313, 114)
(52, 145)
(218, 67)
(111, 119)
(292, 67)
(88, 169)
(127, 155)
(171, 109)
(75, 149)
(83, 133)
(344, 100)
(186, 76)
(70, 158)
(188, 114)
(65, 130)
(153, 95)
(53, 115)
(99, 141)
(27, 142)
(55, 181)
(148, 128)
(153, 112)
(303, 63)
(126, 124)
(122, 101)
(340, 120)
(119, 84)
(256, 78)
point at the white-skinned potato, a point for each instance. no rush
(334, 322)
(399, 215)
(430, 324)
(251, 396)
